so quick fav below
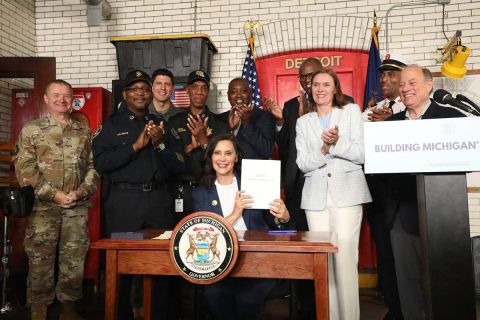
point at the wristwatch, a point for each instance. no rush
(160, 147)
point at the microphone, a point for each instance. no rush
(464, 99)
(444, 97)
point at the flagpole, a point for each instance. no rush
(372, 81)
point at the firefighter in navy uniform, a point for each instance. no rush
(193, 129)
(136, 152)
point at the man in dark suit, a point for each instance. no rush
(253, 127)
(390, 70)
(401, 203)
(286, 121)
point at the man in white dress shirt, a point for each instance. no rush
(389, 82)
(390, 70)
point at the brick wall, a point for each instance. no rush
(17, 38)
(86, 57)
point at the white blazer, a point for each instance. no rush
(338, 172)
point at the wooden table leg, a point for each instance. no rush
(111, 286)
(320, 270)
(147, 297)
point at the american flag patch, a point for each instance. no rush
(180, 97)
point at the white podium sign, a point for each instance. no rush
(436, 145)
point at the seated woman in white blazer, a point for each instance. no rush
(330, 153)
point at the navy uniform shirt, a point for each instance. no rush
(180, 131)
(114, 156)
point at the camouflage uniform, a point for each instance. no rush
(56, 157)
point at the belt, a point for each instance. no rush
(147, 186)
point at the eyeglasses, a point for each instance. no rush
(138, 90)
(305, 76)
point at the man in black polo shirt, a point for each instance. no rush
(136, 154)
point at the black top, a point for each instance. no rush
(257, 137)
(181, 133)
(114, 156)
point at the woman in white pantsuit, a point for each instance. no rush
(330, 154)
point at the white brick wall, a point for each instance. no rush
(17, 38)
(85, 55)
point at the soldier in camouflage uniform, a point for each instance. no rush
(54, 156)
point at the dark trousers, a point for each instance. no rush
(237, 298)
(305, 288)
(385, 260)
(165, 297)
(407, 252)
(381, 235)
(129, 210)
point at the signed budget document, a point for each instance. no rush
(261, 180)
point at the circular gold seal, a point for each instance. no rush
(204, 247)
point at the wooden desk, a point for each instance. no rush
(301, 255)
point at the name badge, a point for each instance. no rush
(178, 205)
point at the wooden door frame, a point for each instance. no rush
(41, 69)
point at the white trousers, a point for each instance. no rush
(343, 265)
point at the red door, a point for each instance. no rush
(91, 106)
(278, 79)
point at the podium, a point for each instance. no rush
(445, 238)
(439, 152)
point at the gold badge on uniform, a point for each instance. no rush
(175, 134)
(214, 202)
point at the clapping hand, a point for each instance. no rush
(198, 128)
(155, 133)
(329, 138)
(142, 140)
(274, 109)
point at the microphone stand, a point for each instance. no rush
(465, 100)
(468, 108)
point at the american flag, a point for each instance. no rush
(180, 97)
(250, 74)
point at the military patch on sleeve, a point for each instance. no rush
(98, 131)
(175, 134)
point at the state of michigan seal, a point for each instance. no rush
(204, 247)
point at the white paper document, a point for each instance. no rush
(164, 236)
(261, 180)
